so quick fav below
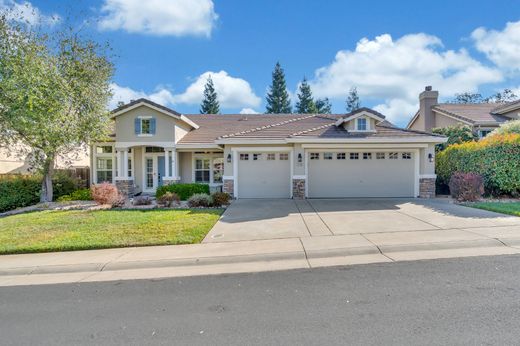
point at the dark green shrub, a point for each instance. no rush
(63, 184)
(184, 191)
(220, 198)
(17, 192)
(78, 195)
(200, 200)
(466, 186)
(495, 158)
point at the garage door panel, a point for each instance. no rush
(266, 177)
(361, 178)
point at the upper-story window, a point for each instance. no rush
(361, 124)
(145, 126)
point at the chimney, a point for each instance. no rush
(427, 99)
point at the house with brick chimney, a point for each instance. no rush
(481, 117)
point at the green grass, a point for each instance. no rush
(511, 208)
(46, 231)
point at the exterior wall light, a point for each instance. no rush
(300, 159)
(430, 157)
(229, 158)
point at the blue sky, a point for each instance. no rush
(389, 50)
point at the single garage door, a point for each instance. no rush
(264, 175)
(337, 174)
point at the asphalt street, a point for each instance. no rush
(466, 301)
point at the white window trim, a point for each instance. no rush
(211, 158)
(141, 118)
(368, 127)
(111, 155)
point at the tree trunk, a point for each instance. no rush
(48, 169)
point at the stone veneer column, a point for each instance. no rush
(298, 188)
(427, 187)
(228, 187)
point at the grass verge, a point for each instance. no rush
(511, 208)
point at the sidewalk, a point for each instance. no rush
(254, 256)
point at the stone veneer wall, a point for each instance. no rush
(228, 187)
(427, 187)
(298, 188)
(126, 187)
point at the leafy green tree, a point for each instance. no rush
(278, 101)
(506, 95)
(512, 126)
(353, 103)
(54, 91)
(323, 106)
(456, 135)
(305, 104)
(468, 97)
(210, 104)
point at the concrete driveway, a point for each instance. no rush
(378, 220)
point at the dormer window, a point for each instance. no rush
(361, 124)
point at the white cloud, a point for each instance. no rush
(232, 92)
(248, 111)
(396, 71)
(161, 95)
(25, 12)
(159, 17)
(501, 47)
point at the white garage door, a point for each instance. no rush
(264, 175)
(361, 173)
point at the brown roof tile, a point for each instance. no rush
(474, 113)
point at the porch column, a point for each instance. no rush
(167, 163)
(119, 156)
(170, 169)
(125, 164)
(176, 165)
(124, 183)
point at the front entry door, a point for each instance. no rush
(160, 170)
(149, 174)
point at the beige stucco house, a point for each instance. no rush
(359, 154)
(481, 117)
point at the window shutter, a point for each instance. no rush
(137, 123)
(152, 126)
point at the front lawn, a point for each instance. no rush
(511, 208)
(46, 231)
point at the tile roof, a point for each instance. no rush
(474, 113)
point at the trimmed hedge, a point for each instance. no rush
(184, 191)
(495, 158)
(18, 191)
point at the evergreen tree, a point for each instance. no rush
(210, 104)
(353, 101)
(323, 106)
(278, 98)
(305, 104)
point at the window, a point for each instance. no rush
(340, 156)
(327, 156)
(284, 157)
(256, 157)
(104, 149)
(154, 150)
(406, 156)
(271, 157)
(244, 157)
(315, 156)
(129, 167)
(354, 156)
(380, 156)
(367, 156)
(361, 124)
(104, 169)
(218, 169)
(393, 156)
(202, 170)
(484, 133)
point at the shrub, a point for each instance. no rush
(495, 158)
(220, 198)
(168, 199)
(142, 200)
(200, 200)
(456, 135)
(184, 191)
(78, 195)
(63, 184)
(19, 191)
(507, 128)
(106, 193)
(466, 186)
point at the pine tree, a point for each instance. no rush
(353, 102)
(305, 104)
(278, 98)
(210, 104)
(323, 106)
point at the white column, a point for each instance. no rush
(167, 163)
(176, 165)
(119, 163)
(125, 164)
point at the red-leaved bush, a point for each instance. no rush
(106, 193)
(466, 186)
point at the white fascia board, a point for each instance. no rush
(410, 123)
(251, 142)
(179, 117)
(198, 146)
(424, 139)
(352, 117)
(382, 146)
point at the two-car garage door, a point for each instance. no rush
(338, 174)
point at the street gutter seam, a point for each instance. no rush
(305, 253)
(378, 249)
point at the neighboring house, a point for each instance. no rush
(481, 117)
(359, 154)
(12, 163)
